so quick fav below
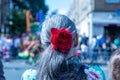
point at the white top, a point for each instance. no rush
(93, 43)
(1, 45)
(84, 48)
(17, 42)
(8, 43)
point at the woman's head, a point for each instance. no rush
(56, 21)
(114, 65)
(53, 63)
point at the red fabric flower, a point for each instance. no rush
(61, 39)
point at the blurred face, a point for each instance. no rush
(73, 50)
(71, 54)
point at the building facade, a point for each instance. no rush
(78, 13)
(105, 18)
(4, 14)
(106, 5)
(98, 17)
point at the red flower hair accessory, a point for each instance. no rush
(61, 39)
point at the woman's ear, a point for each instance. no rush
(76, 41)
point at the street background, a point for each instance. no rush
(14, 69)
(97, 23)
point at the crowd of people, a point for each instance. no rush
(100, 47)
(24, 46)
(28, 46)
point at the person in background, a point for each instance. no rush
(101, 40)
(2, 77)
(24, 39)
(79, 42)
(85, 39)
(107, 49)
(8, 42)
(114, 66)
(84, 50)
(95, 48)
(16, 45)
(1, 46)
(117, 42)
(58, 62)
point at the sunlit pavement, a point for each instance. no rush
(14, 69)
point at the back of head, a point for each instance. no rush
(114, 65)
(56, 21)
(53, 63)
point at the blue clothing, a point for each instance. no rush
(2, 77)
(101, 41)
(117, 43)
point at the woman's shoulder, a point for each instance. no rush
(29, 74)
(94, 73)
(86, 72)
(90, 73)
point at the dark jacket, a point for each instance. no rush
(1, 71)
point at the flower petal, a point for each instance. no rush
(54, 30)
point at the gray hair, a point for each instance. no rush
(114, 65)
(56, 21)
(53, 63)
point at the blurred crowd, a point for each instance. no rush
(24, 46)
(99, 48)
(28, 46)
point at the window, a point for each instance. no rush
(112, 1)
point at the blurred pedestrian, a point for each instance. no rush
(84, 50)
(16, 45)
(2, 77)
(1, 47)
(101, 40)
(107, 49)
(85, 39)
(8, 42)
(117, 42)
(114, 65)
(95, 48)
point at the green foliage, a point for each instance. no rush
(19, 14)
(33, 5)
(34, 27)
(18, 20)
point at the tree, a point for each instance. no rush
(18, 20)
(33, 5)
(19, 13)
